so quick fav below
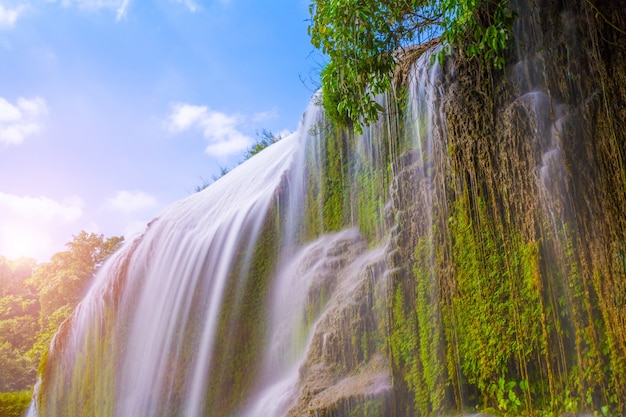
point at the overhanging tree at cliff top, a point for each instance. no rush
(363, 40)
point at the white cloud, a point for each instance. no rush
(121, 10)
(35, 107)
(265, 115)
(8, 17)
(8, 112)
(190, 4)
(228, 147)
(184, 116)
(221, 129)
(20, 120)
(43, 208)
(131, 201)
(119, 6)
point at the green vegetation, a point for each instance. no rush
(34, 300)
(369, 408)
(519, 336)
(348, 179)
(19, 325)
(366, 40)
(265, 139)
(492, 303)
(61, 283)
(14, 404)
(497, 304)
(242, 325)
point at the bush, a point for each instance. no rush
(14, 404)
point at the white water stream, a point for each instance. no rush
(176, 272)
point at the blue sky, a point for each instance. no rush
(110, 110)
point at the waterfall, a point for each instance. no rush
(228, 302)
(466, 253)
(145, 340)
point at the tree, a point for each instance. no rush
(16, 371)
(61, 283)
(35, 300)
(19, 314)
(14, 404)
(363, 41)
(13, 274)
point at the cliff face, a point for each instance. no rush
(506, 229)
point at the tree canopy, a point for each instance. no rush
(34, 301)
(363, 40)
(61, 283)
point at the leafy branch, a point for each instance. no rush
(362, 38)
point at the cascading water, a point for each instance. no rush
(213, 310)
(146, 338)
(465, 253)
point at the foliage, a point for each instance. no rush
(36, 298)
(265, 139)
(360, 39)
(19, 314)
(497, 302)
(16, 370)
(480, 28)
(14, 404)
(63, 280)
(364, 40)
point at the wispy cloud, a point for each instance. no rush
(41, 207)
(8, 17)
(121, 10)
(189, 4)
(17, 121)
(131, 201)
(265, 115)
(220, 129)
(119, 6)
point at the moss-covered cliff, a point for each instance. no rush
(506, 225)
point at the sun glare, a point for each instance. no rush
(20, 240)
(20, 246)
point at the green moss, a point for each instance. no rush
(403, 341)
(242, 326)
(335, 182)
(496, 304)
(429, 327)
(369, 408)
(349, 176)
